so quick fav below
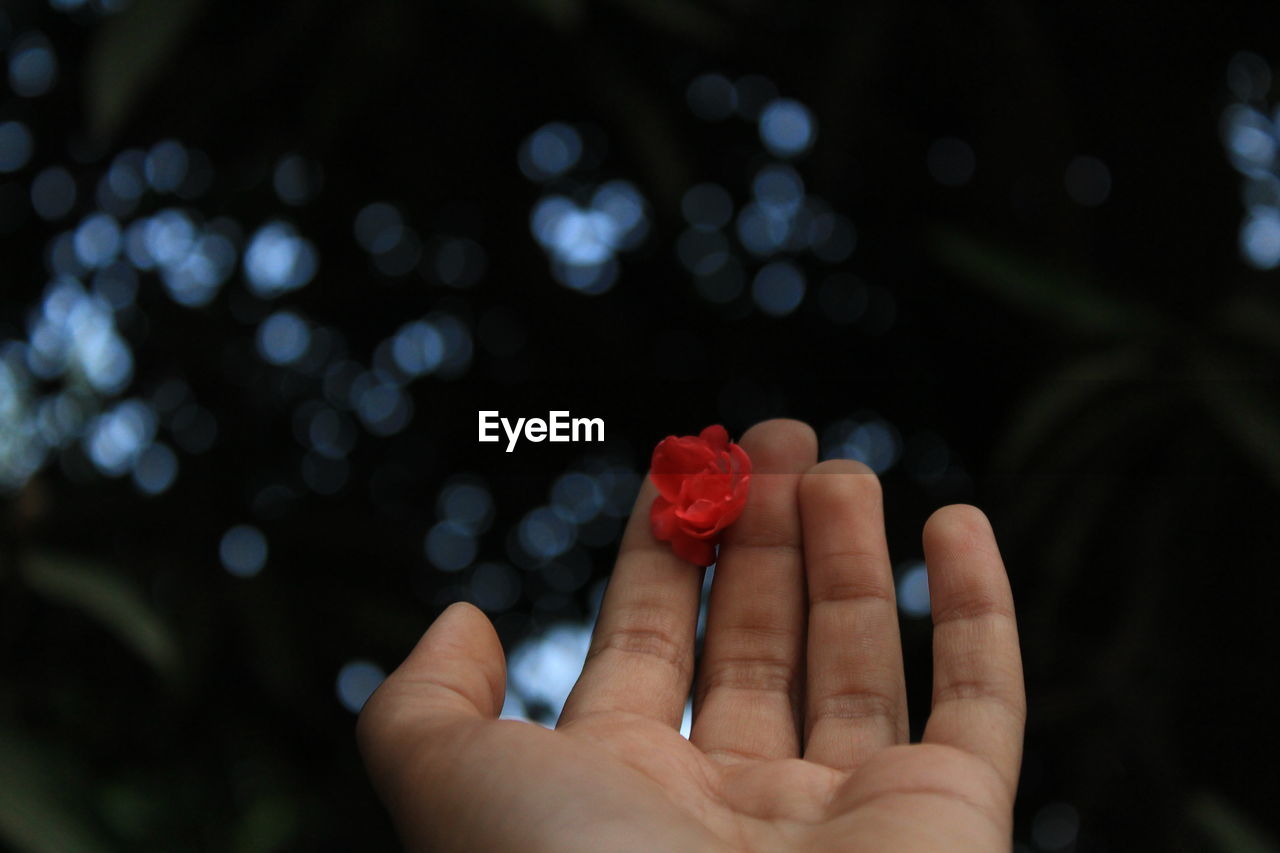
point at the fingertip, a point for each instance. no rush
(958, 526)
(784, 431)
(461, 620)
(461, 636)
(841, 466)
(461, 612)
(838, 479)
(780, 446)
(455, 674)
(967, 575)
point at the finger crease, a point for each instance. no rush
(849, 592)
(729, 754)
(753, 674)
(856, 705)
(789, 548)
(977, 691)
(969, 611)
(648, 642)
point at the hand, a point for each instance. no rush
(799, 738)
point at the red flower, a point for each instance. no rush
(702, 482)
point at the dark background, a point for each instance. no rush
(1051, 292)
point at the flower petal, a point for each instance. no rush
(703, 482)
(699, 516)
(675, 459)
(700, 552)
(717, 436)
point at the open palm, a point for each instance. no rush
(799, 739)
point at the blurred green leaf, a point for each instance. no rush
(1057, 295)
(36, 816)
(1083, 502)
(1098, 437)
(1229, 828)
(1243, 409)
(270, 823)
(105, 596)
(129, 809)
(128, 52)
(681, 18)
(649, 127)
(1053, 404)
(1253, 319)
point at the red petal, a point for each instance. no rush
(717, 436)
(703, 482)
(700, 552)
(675, 459)
(699, 516)
(706, 487)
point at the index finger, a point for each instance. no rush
(979, 703)
(641, 655)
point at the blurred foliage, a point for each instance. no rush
(1227, 828)
(127, 52)
(1107, 376)
(35, 812)
(104, 594)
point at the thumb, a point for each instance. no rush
(456, 673)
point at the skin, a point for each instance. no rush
(799, 739)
